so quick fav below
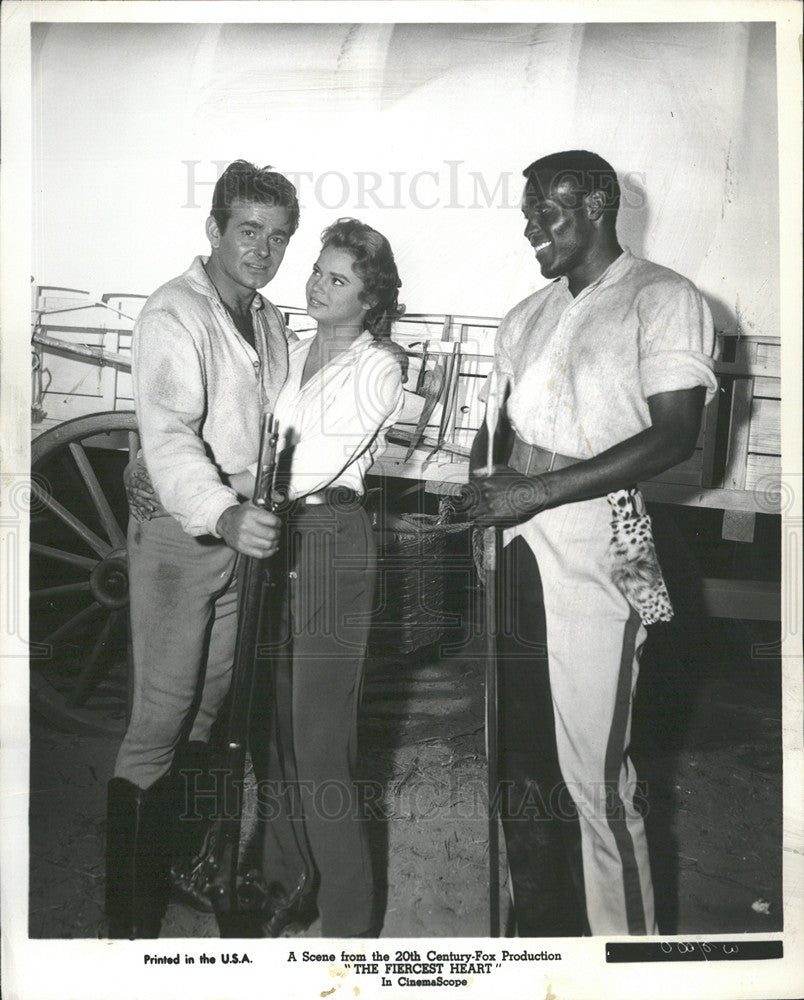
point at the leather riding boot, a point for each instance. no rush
(196, 803)
(137, 857)
(282, 910)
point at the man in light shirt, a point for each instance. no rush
(608, 367)
(209, 356)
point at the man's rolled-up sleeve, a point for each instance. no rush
(677, 342)
(170, 400)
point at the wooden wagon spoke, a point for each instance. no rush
(61, 555)
(71, 624)
(63, 590)
(93, 633)
(92, 540)
(98, 497)
(94, 663)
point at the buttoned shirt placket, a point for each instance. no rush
(560, 349)
(563, 342)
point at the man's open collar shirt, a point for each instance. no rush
(199, 391)
(582, 369)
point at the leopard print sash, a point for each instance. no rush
(635, 568)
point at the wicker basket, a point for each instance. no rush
(410, 582)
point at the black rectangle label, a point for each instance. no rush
(693, 951)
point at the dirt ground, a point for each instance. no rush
(707, 743)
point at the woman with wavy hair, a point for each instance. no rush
(341, 392)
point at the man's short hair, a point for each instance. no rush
(588, 171)
(242, 181)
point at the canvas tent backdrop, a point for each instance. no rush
(421, 130)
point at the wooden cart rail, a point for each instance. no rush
(736, 466)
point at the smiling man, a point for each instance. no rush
(209, 355)
(608, 369)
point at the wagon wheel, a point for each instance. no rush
(79, 622)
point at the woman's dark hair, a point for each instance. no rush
(375, 266)
(242, 181)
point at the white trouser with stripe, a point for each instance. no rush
(594, 641)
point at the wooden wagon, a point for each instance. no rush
(84, 431)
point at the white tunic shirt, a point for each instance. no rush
(334, 422)
(581, 369)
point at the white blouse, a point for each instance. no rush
(334, 422)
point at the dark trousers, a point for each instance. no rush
(317, 677)
(539, 819)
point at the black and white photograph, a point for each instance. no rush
(459, 345)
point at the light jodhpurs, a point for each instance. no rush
(594, 642)
(539, 819)
(183, 624)
(331, 589)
